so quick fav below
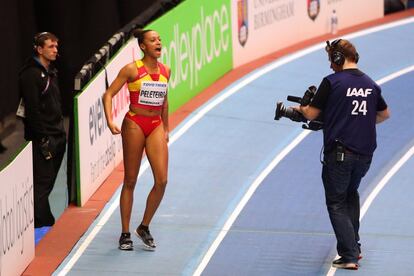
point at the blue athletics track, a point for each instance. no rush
(245, 195)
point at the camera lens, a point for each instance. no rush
(279, 110)
(294, 115)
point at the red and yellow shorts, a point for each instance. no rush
(146, 123)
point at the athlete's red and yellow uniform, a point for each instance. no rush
(148, 91)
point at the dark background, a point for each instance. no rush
(82, 27)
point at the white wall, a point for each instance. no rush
(275, 24)
(17, 214)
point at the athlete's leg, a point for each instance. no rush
(157, 153)
(133, 142)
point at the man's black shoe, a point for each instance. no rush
(146, 238)
(125, 242)
(341, 263)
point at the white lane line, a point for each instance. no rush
(395, 75)
(195, 118)
(385, 180)
(104, 217)
(377, 190)
(391, 172)
(256, 183)
(274, 65)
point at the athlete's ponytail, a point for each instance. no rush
(139, 34)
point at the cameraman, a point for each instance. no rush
(43, 121)
(351, 106)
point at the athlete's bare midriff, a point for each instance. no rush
(145, 112)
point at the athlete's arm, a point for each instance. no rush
(164, 112)
(112, 90)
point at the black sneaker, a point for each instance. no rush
(341, 263)
(146, 238)
(125, 242)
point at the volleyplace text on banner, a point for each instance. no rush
(152, 93)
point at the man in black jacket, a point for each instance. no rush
(43, 121)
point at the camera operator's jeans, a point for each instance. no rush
(341, 181)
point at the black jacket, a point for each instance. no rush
(43, 105)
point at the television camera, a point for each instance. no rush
(294, 115)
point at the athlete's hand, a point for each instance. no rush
(114, 128)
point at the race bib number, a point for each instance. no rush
(152, 93)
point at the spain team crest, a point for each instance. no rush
(313, 8)
(242, 21)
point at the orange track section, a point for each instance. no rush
(75, 221)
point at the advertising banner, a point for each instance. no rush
(17, 214)
(98, 152)
(261, 27)
(197, 46)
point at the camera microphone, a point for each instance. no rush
(294, 99)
